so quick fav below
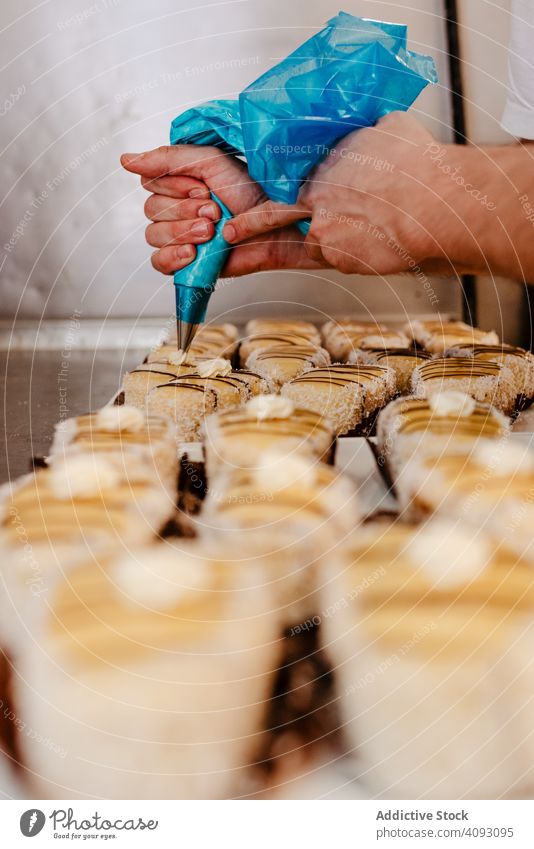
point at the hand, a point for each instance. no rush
(378, 203)
(180, 178)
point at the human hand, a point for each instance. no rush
(377, 202)
(180, 179)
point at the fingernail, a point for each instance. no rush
(184, 252)
(200, 228)
(197, 193)
(229, 232)
(132, 155)
(209, 210)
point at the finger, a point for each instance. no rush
(176, 159)
(280, 250)
(162, 208)
(179, 232)
(312, 246)
(171, 259)
(262, 219)
(176, 187)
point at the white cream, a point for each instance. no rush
(119, 418)
(160, 576)
(451, 403)
(83, 475)
(218, 367)
(177, 358)
(277, 471)
(449, 554)
(374, 342)
(505, 458)
(230, 330)
(193, 450)
(264, 407)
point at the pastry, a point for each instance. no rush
(346, 394)
(281, 325)
(402, 360)
(125, 434)
(437, 336)
(518, 360)
(136, 384)
(98, 498)
(280, 364)
(213, 386)
(490, 487)
(291, 509)
(430, 641)
(487, 382)
(235, 438)
(445, 422)
(273, 339)
(210, 341)
(151, 673)
(338, 336)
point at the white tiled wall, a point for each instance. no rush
(88, 79)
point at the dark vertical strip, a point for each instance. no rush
(468, 281)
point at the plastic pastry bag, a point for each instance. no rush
(347, 76)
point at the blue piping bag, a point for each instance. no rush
(347, 76)
(194, 284)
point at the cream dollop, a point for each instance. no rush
(218, 367)
(230, 330)
(451, 555)
(451, 403)
(83, 475)
(269, 407)
(193, 451)
(504, 458)
(177, 358)
(277, 471)
(120, 418)
(160, 576)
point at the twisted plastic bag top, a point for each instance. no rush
(347, 76)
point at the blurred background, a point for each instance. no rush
(84, 81)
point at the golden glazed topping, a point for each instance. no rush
(461, 367)
(415, 415)
(188, 381)
(414, 600)
(343, 374)
(301, 422)
(91, 432)
(276, 325)
(494, 471)
(304, 353)
(484, 352)
(399, 353)
(49, 515)
(95, 621)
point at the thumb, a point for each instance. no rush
(262, 219)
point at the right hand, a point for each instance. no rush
(180, 178)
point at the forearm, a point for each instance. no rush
(486, 207)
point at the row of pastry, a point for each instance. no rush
(144, 660)
(427, 618)
(347, 371)
(147, 661)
